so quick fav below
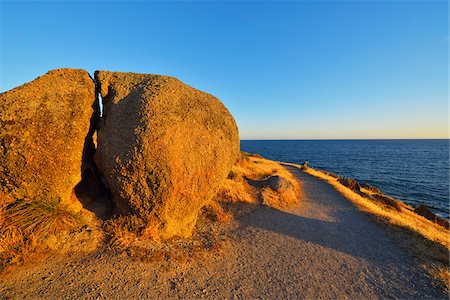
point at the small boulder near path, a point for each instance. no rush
(163, 148)
(43, 126)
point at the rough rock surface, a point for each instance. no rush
(370, 188)
(43, 125)
(278, 183)
(350, 183)
(391, 202)
(163, 147)
(426, 213)
(274, 182)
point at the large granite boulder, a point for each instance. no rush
(163, 148)
(43, 126)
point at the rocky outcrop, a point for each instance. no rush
(375, 196)
(278, 183)
(43, 126)
(370, 188)
(388, 201)
(425, 212)
(350, 183)
(274, 182)
(163, 147)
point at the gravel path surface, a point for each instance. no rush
(323, 249)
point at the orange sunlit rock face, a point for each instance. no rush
(163, 147)
(44, 124)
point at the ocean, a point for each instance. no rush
(414, 171)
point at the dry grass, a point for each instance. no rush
(124, 230)
(239, 196)
(440, 273)
(42, 227)
(41, 217)
(427, 240)
(131, 236)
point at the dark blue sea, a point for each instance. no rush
(414, 171)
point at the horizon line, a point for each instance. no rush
(341, 139)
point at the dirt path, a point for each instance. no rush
(323, 249)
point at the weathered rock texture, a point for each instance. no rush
(425, 212)
(163, 147)
(43, 126)
(350, 183)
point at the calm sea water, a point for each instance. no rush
(415, 171)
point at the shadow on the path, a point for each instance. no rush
(349, 231)
(357, 239)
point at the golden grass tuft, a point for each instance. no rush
(124, 231)
(216, 213)
(38, 228)
(280, 200)
(41, 217)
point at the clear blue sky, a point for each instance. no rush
(286, 70)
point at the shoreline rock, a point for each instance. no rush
(425, 212)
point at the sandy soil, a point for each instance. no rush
(322, 249)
